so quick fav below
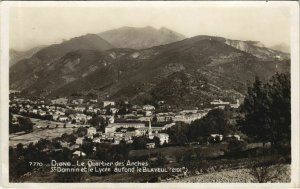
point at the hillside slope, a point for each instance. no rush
(27, 72)
(188, 72)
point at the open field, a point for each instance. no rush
(38, 134)
(56, 129)
(172, 151)
(39, 123)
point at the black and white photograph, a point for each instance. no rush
(165, 92)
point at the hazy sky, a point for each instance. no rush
(30, 27)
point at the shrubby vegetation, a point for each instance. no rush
(217, 121)
(264, 117)
(43, 151)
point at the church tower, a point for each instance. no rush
(150, 131)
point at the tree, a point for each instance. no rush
(87, 148)
(19, 149)
(139, 143)
(81, 131)
(255, 110)
(218, 139)
(68, 138)
(217, 121)
(156, 140)
(98, 122)
(123, 111)
(267, 111)
(47, 117)
(178, 133)
(42, 144)
(25, 124)
(56, 144)
(154, 119)
(279, 92)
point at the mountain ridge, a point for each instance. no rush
(140, 37)
(15, 55)
(88, 41)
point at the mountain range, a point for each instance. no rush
(140, 38)
(184, 71)
(15, 56)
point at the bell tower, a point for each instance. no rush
(150, 130)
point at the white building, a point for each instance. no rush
(79, 153)
(63, 118)
(91, 131)
(111, 128)
(219, 102)
(42, 113)
(165, 127)
(144, 118)
(214, 136)
(236, 136)
(79, 141)
(114, 110)
(148, 107)
(237, 105)
(148, 113)
(80, 117)
(107, 103)
(79, 109)
(97, 140)
(163, 137)
(188, 118)
(150, 145)
(59, 112)
(94, 100)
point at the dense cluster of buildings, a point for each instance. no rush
(80, 111)
(132, 122)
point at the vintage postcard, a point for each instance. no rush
(170, 94)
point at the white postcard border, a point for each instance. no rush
(4, 78)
